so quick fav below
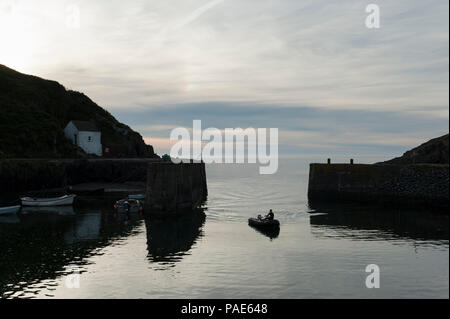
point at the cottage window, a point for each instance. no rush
(89, 139)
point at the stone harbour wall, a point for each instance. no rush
(175, 188)
(27, 175)
(422, 184)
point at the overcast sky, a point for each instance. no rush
(310, 68)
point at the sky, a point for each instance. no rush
(310, 68)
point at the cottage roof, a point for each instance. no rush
(85, 126)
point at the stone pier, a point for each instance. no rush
(421, 184)
(175, 188)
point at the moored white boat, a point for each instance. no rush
(47, 202)
(9, 210)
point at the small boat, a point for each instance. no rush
(263, 223)
(9, 210)
(128, 206)
(46, 202)
(136, 196)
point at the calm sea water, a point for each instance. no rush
(321, 251)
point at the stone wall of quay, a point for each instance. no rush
(175, 188)
(26, 175)
(422, 184)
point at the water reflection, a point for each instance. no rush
(40, 244)
(86, 227)
(272, 233)
(364, 222)
(59, 210)
(168, 240)
(9, 219)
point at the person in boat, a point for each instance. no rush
(127, 206)
(269, 216)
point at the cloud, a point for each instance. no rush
(197, 13)
(310, 53)
(300, 65)
(302, 129)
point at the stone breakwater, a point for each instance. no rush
(424, 184)
(25, 175)
(175, 188)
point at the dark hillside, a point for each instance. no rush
(434, 151)
(34, 112)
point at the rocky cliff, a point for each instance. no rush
(434, 151)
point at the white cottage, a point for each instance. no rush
(85, 135)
